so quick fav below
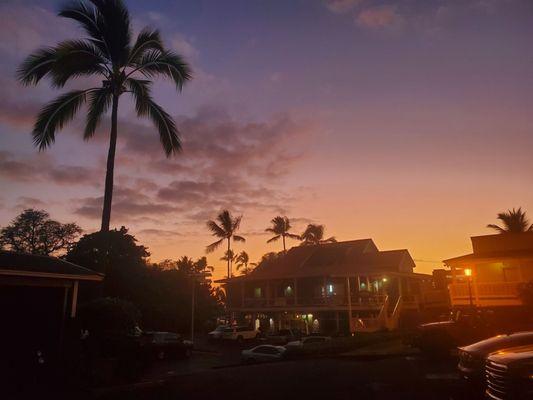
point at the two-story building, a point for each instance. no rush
(345, 286)
(491, 275)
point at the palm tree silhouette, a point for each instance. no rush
(225, 229)
(514, 221)
(107, 53)
(242, 261)
(314, 235)
(280, 228)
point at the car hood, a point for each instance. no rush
(513, 355)
(500, 342)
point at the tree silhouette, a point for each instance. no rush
(34, 232)
(280, 228)
(514, 221)
(314, 235)
(224, 227)
(243, 263)
(108, 54)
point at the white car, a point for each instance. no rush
(235, 333)
(309, 342)
(263, 353)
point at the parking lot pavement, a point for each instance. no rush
(331, 378)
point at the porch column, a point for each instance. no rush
(474, 283)
(295, 291)
(74, 300)
(358, 288)
(349, 303)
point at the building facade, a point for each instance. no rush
(337, 287)
(492, 274)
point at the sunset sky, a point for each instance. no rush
(406, 121)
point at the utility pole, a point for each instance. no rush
(194, 276)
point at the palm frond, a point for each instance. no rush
(99, 102)
(213, 246)
(216, 230)
(145, 106)
(238, 238)
(55, 114)
(236, 223)
(155, 63)
(36, 66)
(293, 236)
(275, 238)
(226, 221)
(115, 30)
(146, 40)
(91, 21)
(77, 58)
(496, 228)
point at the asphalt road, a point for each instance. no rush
(324, 378)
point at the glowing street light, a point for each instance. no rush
(468, 273)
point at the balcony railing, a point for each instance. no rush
(335, 300)
(485, 293)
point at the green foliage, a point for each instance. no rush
(108, 315)
(161, 292)
(34, 232)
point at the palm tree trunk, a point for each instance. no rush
(108, 193)
(284, 249)
(229, 249)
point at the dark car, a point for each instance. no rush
(472, 358)
(439, 338)
(509, 374)
(163, 345)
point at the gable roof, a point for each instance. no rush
(20, 264)
(333, 259)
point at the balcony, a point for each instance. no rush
(485, 294)
(358, 301)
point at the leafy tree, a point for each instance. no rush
(514, 221)
(280, 228)
(199, 268)
(34, 232)
(108, 55)
(314, 235)
(109, 316)
(225, 228)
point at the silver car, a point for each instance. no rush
(263, 353)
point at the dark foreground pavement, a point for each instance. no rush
(325, 378)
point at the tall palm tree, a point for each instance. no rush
(242, 261)
(514, 221)
(108, 54)
(280, 228)
(224, 227)
(314, 235)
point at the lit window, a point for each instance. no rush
(288, 291)
(257, 292)
(330, 289)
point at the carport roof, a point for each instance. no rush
(30, 265)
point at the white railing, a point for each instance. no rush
(485, 293)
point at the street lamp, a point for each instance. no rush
(468, 274)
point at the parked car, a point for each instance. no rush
(284, 336)
(472, 358)
(234, 333)
(439, 338)
(162, 345)
(509, 374)
(309, 343)
(263, 353)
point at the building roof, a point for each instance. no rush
(19, 264)
(501, 246)
(332, 259)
